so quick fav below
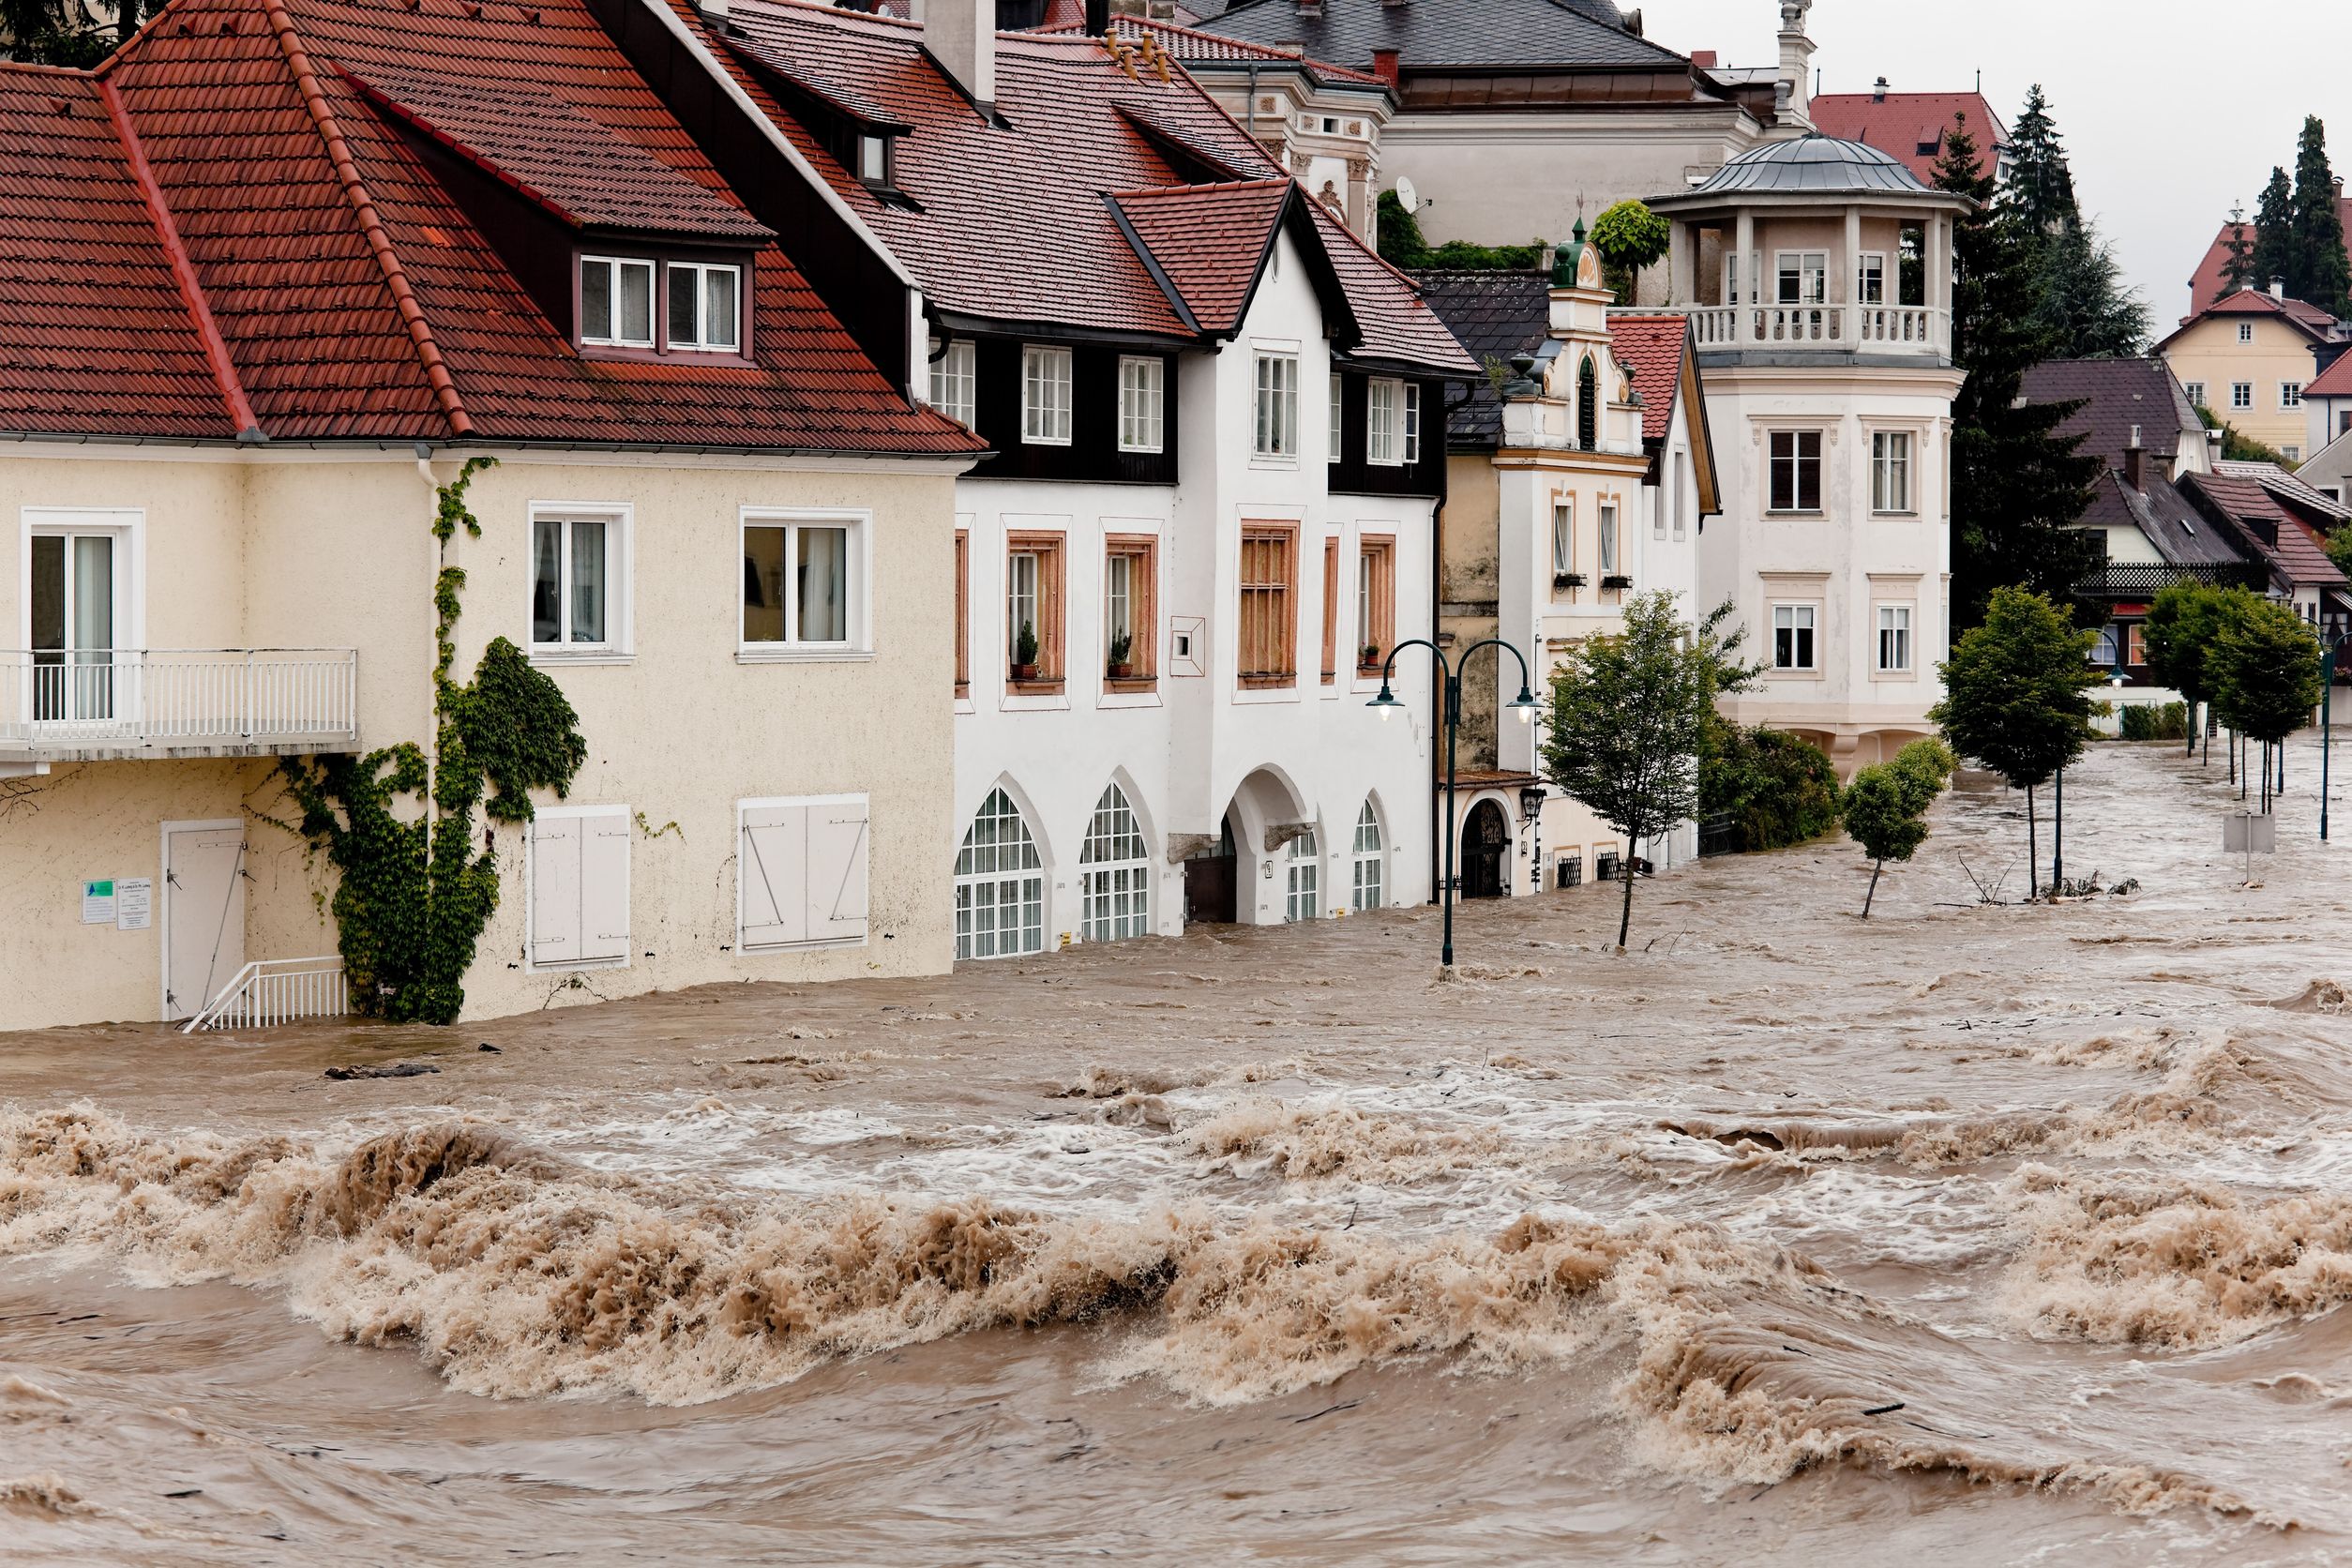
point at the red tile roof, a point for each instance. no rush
(98, 335)
(2333, 382)
(1900, 124)
(1012, 220)
(1209, 240)
(2205, 285)
(2310, 320)
(358, 301)
(2269, 532)
(1651, 349)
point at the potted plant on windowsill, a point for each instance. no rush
(1617, 584)
(1025, 652)
(1567, 579)
(1119, 666)
(1371, 660)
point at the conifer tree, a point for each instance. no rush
(2274, 233)
(2319, 271)
(2041, 187)
(2018, 486)
(2237, 252)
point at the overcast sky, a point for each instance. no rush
(2170, 111)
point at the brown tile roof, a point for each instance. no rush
(2116, 395)
(1902, 124)
(2274, 535)
(98, 335)
(359, 301)
(1194, 47)
(2314, 323)
(2333, 382)
(1651, 347)
(1016, 220)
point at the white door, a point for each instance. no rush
(203, 912)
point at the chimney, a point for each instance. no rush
(1796, 64)
(2134, 457)
(1384, 66)
(1879, 91)
(2278, 288)
(961, 36)
(1703, 58)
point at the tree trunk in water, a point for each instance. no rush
(2033, 851)
(1875, 866)
(2266, 778)
(1625, 918)
(2190, 728)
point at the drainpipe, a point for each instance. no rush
(1250, 121)
(1437, 604)
(432, 576)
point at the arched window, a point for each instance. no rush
(1000, 886)
(1115, 874)
(1306, 901)
(1369, 860)
(1588, 405)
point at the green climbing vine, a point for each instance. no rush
(413, 896)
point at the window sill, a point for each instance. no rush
(1268, 682)
(821, 945)
(1052, 687)
(1898, 517)
(1125, 451)
(803, 655)
(1799, 512)
(1131, 685)
(1793, 674)
(1045, 441)
(1898, 677)
(1024, 699)
(546, 656)
(576, 966)
(1122, 696)
(1286, 465)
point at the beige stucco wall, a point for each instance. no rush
(2210, 353)
(295, 550)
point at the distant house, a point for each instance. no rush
(2212, 279)
(2136, 419)
(1515, 117)
(2277, 524)
(1914, 127)
(1580, 474)
(2248, 358)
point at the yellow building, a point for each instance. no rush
(2247, 358)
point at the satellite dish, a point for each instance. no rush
(1406, 197)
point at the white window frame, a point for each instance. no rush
(2245, 332)
(1336, 432)
(813, 802)
(583, 814)
(1143, 403)
(1872, 270)
(652, 301)
(2195, 391)
(954, 379)
(1034, 880)
(1805, 616)
(701, 273)
(1274, 407)
(1412, 423)
(1605, 539)
(620, 562)
(1797, 460)
(1813, 268)
(1103, 883)
(1564, 534)
(2241, 396)
(1303, 881)
(1892, 457)
(2290, 395)
(859, 644)
(129, 527)
(1046, 373)
(1883, 618)
(1372, 857)
(1384, 422)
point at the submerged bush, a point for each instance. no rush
(2150, 721)
(1776, 789)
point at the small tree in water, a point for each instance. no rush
(2016, 696)
(1627, 714)
(2182, 625)
(2264, 668)
(1885, 805)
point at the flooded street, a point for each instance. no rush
(2012, 1234)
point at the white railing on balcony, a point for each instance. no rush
(125, 698)
(1866, 327)
(271, 992)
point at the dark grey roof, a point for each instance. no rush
(2116, 395)
(2172, 524)
(1523, 35)
(1812, 165)
(1496, 315)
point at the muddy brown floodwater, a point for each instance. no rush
(2007, 1234)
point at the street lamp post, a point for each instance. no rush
(2327, 714)
(1385, 703)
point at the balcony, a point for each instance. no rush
(84, 705)
(2138, 579)
(1909, 329)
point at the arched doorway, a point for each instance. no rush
(1485, 846)
(1210, 880)
(1370, 862)
(1000, 884)
(1115, 872)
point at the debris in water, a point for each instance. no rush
(1884, 1409)
(397, 1069)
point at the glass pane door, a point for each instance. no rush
(72, 604)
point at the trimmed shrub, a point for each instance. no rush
(2148, 721)
(1776, 789)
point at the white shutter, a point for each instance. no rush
(836, 871)
(771, 873)
(604, 886)
(555, 890)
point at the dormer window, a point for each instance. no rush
(704, 310)
(616, 302)
(873, 159)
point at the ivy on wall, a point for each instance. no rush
(413, 896)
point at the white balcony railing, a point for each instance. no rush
(1872, 328)
(271, 992)
(129, 701)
